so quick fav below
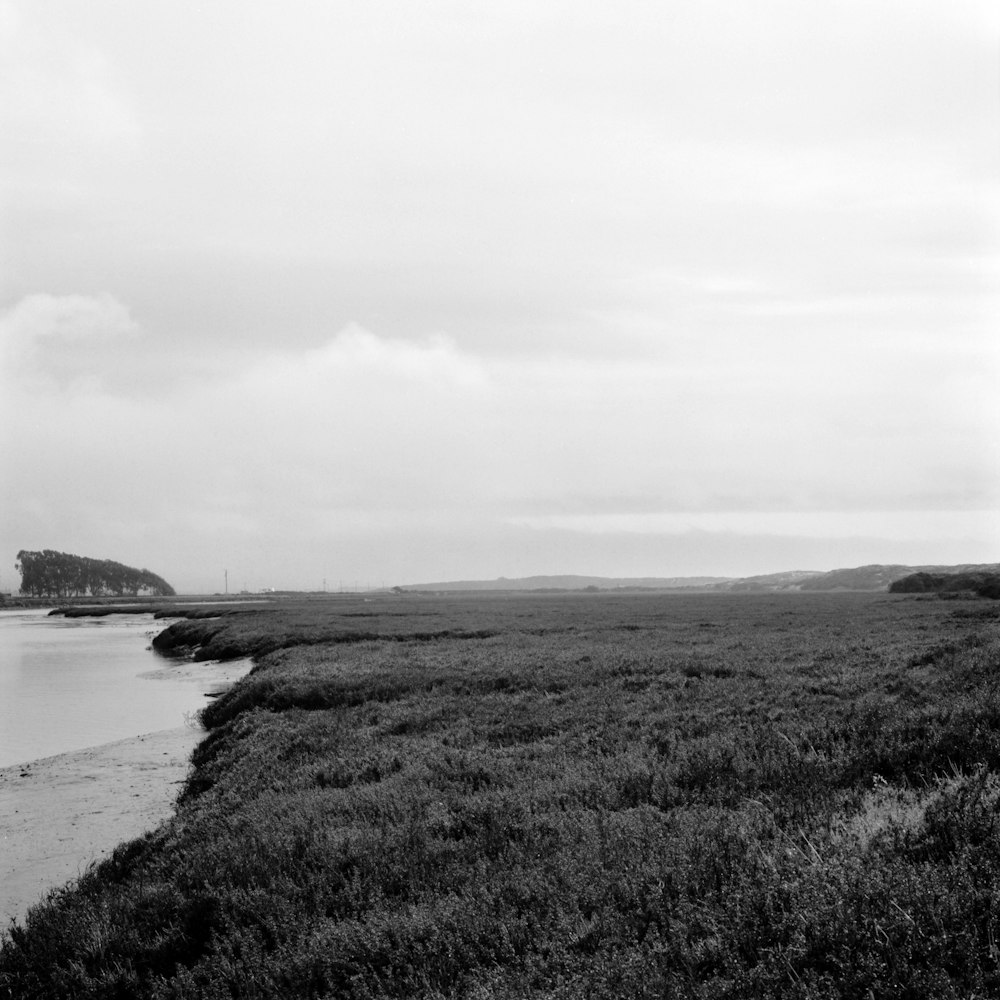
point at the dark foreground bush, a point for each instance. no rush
(983, 584)
(754, 797)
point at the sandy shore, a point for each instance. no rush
(59, 814)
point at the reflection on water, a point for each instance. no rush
(69, 683)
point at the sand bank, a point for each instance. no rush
(60, 813)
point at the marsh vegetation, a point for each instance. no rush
(499, 797)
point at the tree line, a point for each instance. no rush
(59, 574)
(985, 584)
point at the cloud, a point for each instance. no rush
(67, 318)
(523, 189)
(66, 123)
(888, 526)
(61, 338)
(683, 259)
(392, 450)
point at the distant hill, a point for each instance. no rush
(879, 577)
(861, 578)
(574, 583)
(792, 580)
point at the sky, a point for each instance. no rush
(310, 294)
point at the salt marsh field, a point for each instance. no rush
(558, 796)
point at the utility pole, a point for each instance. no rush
(226, 571)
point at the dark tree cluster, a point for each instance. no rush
(59, 574)
(983, 584)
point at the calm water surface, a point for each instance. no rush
(70, 683)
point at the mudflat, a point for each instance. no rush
(59, 814)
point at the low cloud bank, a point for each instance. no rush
(380, 457)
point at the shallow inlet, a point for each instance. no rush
(67, 684)
(96, 733)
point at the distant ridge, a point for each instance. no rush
(871, 578)
(574, 583)
(878, 577)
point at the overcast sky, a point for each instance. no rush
(399, 292)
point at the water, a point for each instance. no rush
(70, 683)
